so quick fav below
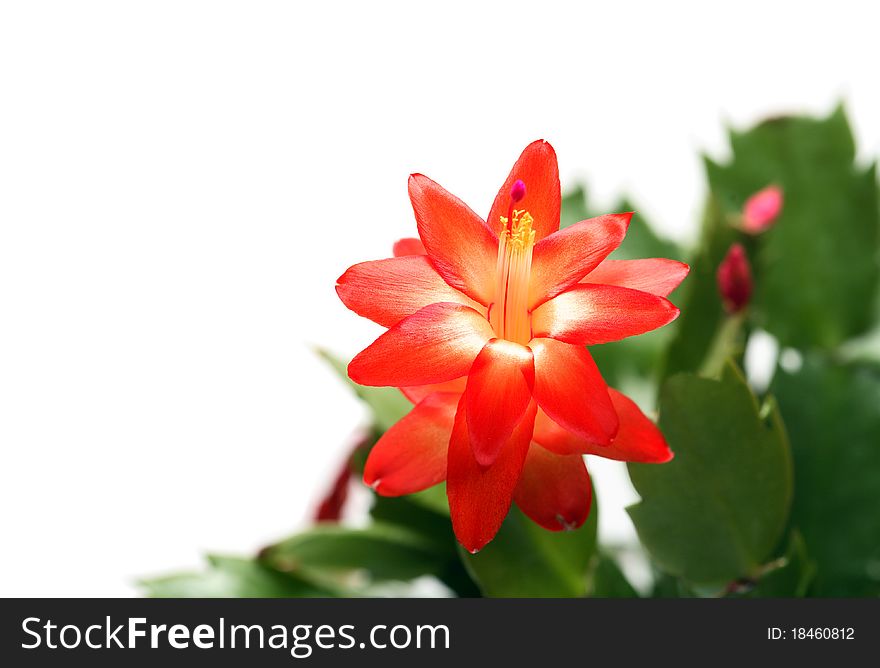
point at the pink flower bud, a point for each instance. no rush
(735, 279)
(762, 209)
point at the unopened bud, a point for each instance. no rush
(333, 504)
(762, 209)
(735, 279)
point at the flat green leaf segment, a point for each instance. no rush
(384, 552)
(232, 577)
(608, 581)
(816, 269)
(833, 416)
(718, 510)
(526, 560)
(427, 515)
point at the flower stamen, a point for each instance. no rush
(509, 314)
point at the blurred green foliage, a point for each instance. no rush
(608, 581)
(234, 577)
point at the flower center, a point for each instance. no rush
(509, 314)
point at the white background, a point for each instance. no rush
(182, 182)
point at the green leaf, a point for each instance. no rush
(526, 560)
(433, 498)
(862, 349)
(669, 586)
(608, 581)
(427, 514)
(386, 404)
(384, 552)
(791, 577)
(416, 514)
(833, 414)
(232, 577)
(816, 269)
(715, 512)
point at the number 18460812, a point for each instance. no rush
(811, 633)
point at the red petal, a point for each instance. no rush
(408, 246)
(553, 490)
(411, 456)
(499, 390)
(438, 343)
(387, 291)
(570, 389)
(417, 393)
(463, 249)
(558, 439)
(480, 498)
(564, 258)
(592, 314)
(538, 170)
(637, 440)
(658, 276)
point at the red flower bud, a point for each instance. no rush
(735, 279)
(762, 209)
(332, 505)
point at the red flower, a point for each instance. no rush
(488, 325)
(735, 279)
(762, 209)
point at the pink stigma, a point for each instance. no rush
(517, 191)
